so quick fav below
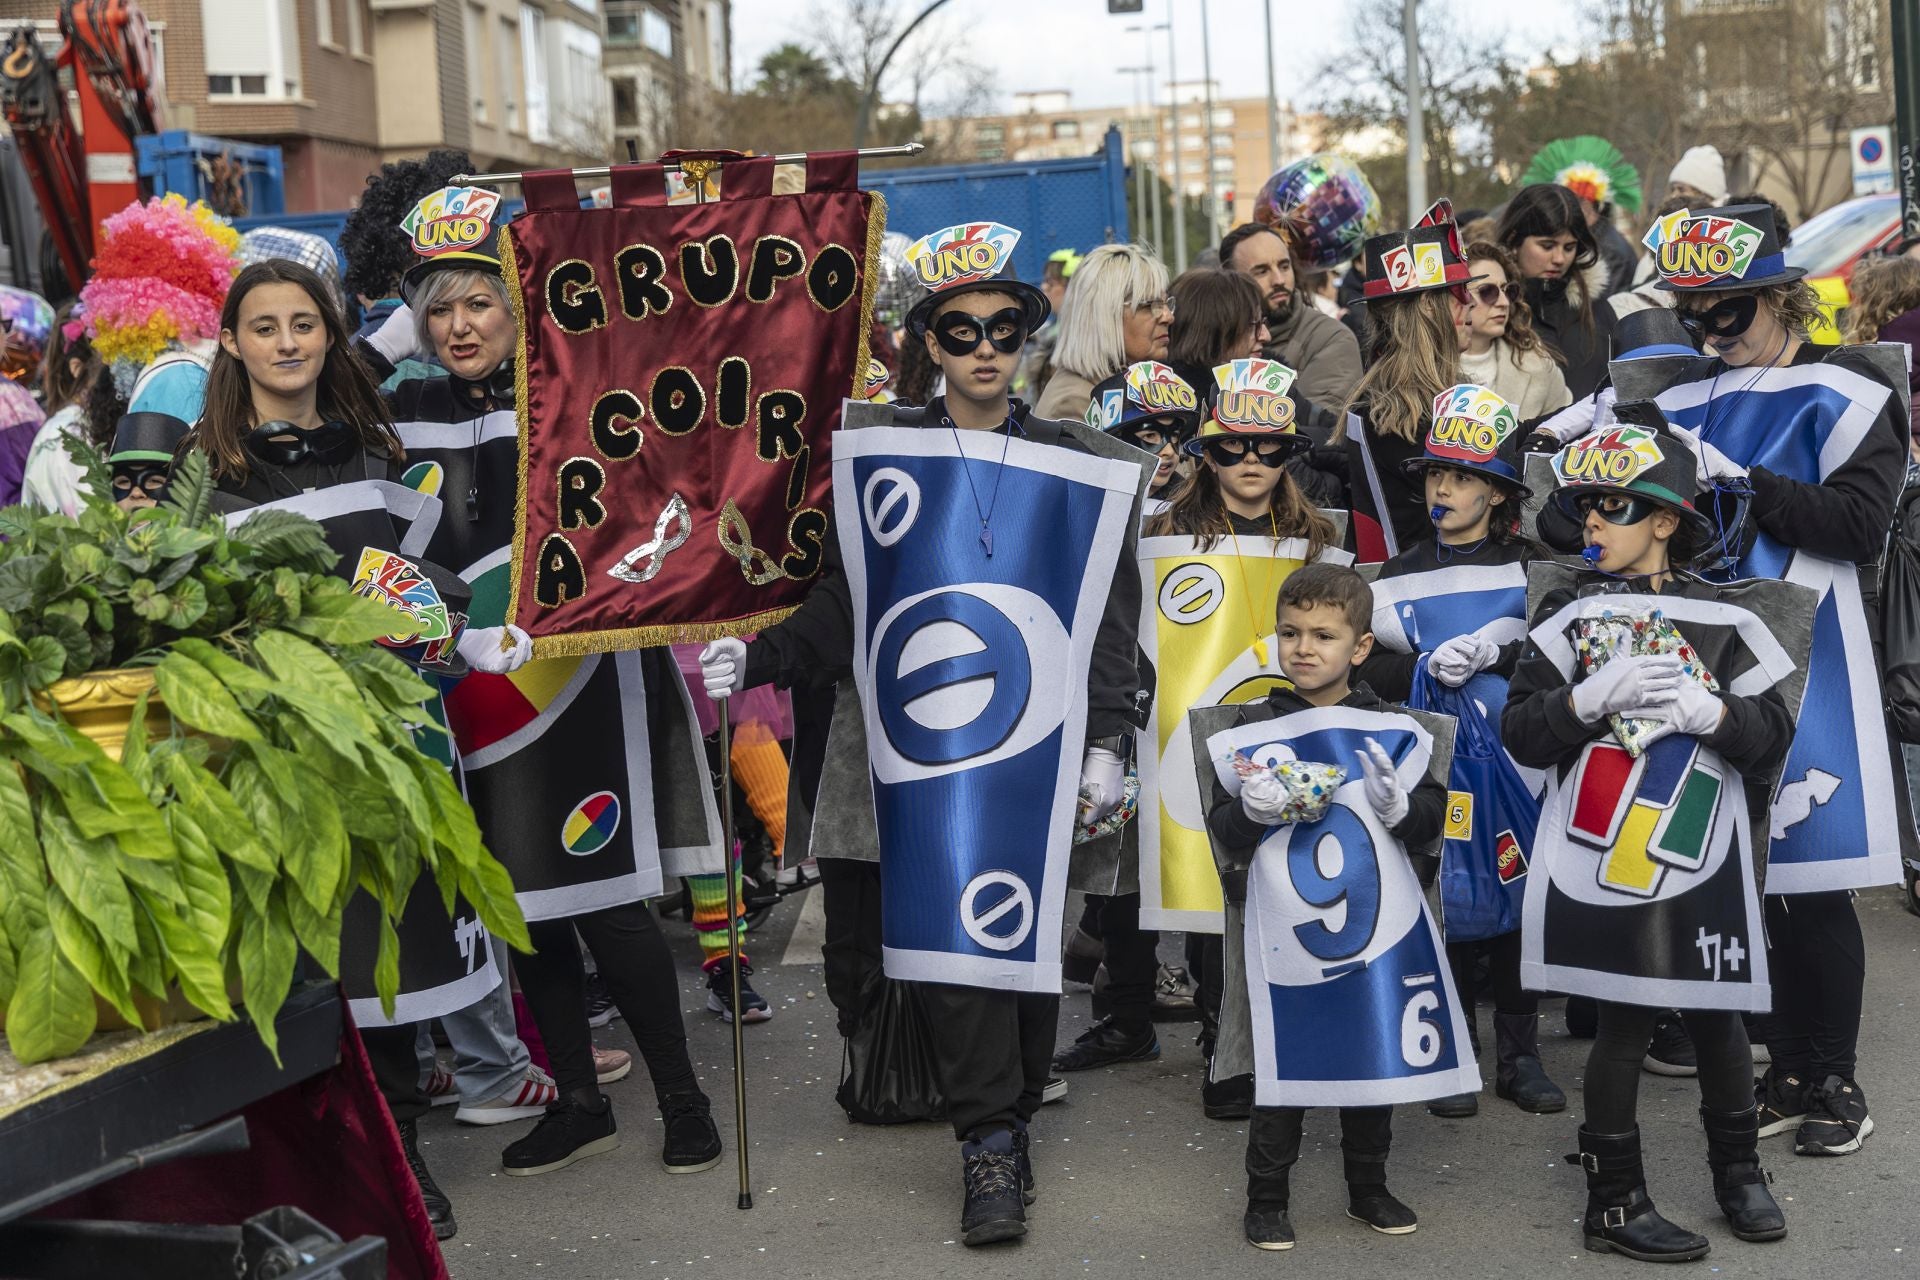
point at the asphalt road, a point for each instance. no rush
(1134, 1181)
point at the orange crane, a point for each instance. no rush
(81, 175)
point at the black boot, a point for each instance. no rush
(1620, 1216)
(1739, 1183)
(995, 1207)
(439, 1208)
(1458, 1106)
(1518, 1075)
(1273, 1147)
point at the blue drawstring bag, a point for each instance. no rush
(1491, 817)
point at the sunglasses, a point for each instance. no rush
(1488, 294)
(1231, 453)
(960, 334)
(1727, 318)
(1615, 508)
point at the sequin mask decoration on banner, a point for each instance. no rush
(1611, 457)
(966, 253)
(1470, 424)
(1251, 395)
(450, 220)
(1158, 389)
(1698, 249)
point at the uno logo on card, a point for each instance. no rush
(1509, 859)
(1251, 410)
(962, 254)
(1609, 457)
(1701, 250)
(1470, 422)
(961, 677)
(451, 219)
(591, 825)
(1650, 817)
(398, 582)
(1158, 389)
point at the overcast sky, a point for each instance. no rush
(1076, 45)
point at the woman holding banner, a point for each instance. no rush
(537, 741)
(1449, 617)
(1243, 524)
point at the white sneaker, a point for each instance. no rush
(521, 1101)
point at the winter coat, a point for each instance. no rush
(1534, 387)
(1066, 397)
(1583, 348)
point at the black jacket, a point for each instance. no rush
(1540, 730)
(1617, 254)
(1239, 835)
(1391, 673)
(813, 646)
(1584, 348)
(1405, 498)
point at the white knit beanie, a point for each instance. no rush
(1703, 169)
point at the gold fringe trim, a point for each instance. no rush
(869, 292)
(581, 643)
(510, 268)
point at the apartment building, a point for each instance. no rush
(664, 58)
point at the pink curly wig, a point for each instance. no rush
(159, 278)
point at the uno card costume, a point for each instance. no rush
(1644, 884)
(1206, 625)
(590, 791)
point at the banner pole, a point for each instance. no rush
(732, 863)
(602, 171)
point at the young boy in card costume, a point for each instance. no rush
(1662, 707)
(994, 1040)
(1241, 520)
(1453, 611)
(1343, 972)
(545, 747)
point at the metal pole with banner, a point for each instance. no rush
(1906, 114)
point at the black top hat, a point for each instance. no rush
(1636, 455)
(1736, 246)
(970, 257)
(1144, 393)
(1426, 256)
(1475, 430)
(452, 229)
(1651, 331)
(146, 437)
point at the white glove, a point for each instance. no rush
(395, 338)
(1461, 658)
(1263, 798)
(1385, 793)
(1710, 463)
(495, 650)
(1102, 778)
(1581, 417)
(1645, 680)
(1693, 711)
(723, 665)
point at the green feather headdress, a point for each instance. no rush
(1590, 167)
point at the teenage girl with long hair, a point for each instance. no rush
(1413, 354)
(1546, 230)
(1498, 345)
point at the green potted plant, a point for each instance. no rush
(203, 756)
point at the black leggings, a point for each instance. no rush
(1503, 974)
(637, 966)
(1818, 961)
(1620, 1046)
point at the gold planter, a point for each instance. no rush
(100, 704)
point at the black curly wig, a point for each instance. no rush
(376, 249)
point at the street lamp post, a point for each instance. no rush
(1273, 97)
(1179, 184)
(1146, 31)
(1213, 181)
(1133, 146)
(1416, 125)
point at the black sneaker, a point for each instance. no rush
(1378, 1208)
(570, 1130)
(1268, 1227)
(1023, 1152)
(439, 1208)
(1107, 1044)
(1230, 1099)
(1671, 1053)
(600, 1006)
(1837, 1121)
(1455, 1106)
(1055, 1090)
(996, 1207)
(753, 1007)
(1781, 1100)
(692, 1144)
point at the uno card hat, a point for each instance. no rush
(1249, 399)
(452, 229)
(436, 603)
(1648, 332)
(1636, 456)
(1426, 256)
(1736, 246)
(1474, 430)
(970, 257)
(1140, 395)
(146, 437)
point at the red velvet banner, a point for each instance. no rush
(680, 372)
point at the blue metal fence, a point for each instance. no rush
(178, 161)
